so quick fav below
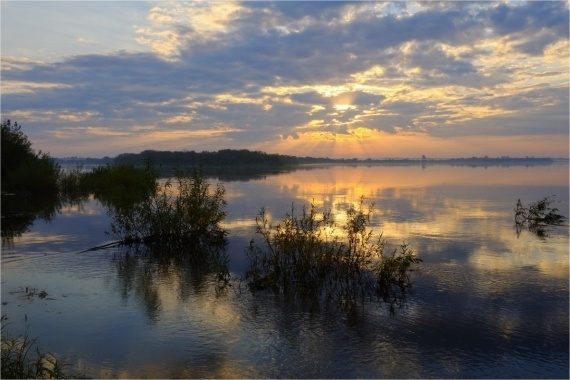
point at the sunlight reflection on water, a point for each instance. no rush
(486, 303)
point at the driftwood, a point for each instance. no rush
(104, 246)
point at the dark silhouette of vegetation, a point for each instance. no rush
(537, 217)
(22, 168)
(224, 157)
(306, 255)
(181, 221)
(119, 185)
(18, 361)
(237, 158)
(20, 211)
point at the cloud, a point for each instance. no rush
(264, 71)
(534, 25)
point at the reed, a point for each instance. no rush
(19, 361)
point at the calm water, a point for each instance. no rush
(486, 303)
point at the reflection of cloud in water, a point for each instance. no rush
(550, 260)
(446, 212)
(236, 224)
(485, 303)
(40, 238)
(82, 208)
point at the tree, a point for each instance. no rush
(22, 168)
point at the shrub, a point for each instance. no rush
(393, 274)
(183, 222)
(305, 254)
(22, 168)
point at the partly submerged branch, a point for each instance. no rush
(112, 244)
(537, 217)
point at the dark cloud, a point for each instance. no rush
(431, 57)
(537, 23)
(268, 45)
(530, 17)
(310, 97)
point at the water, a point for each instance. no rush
(486, 303)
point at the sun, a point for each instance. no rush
(344, 107)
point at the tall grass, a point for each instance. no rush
(22, 359)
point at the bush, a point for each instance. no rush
(306, 255)
(181, 222)
(22, 169)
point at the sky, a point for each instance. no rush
(322, 78)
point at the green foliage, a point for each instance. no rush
(306, 254)
(18, 361)
(16, 147)
(537, 217)
(22, 168)
(70, 181)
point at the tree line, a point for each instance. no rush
(23, 168)
(224, 157)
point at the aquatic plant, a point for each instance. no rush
(189, 214)
(392, 274)
(310, 254)
(181, 221)
(18, 361)
(537, 216)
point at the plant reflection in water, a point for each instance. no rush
(142, 270)
(308, 256)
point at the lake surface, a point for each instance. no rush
(485, 302)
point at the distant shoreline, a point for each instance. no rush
(244, 158)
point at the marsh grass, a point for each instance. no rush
(537, 217)
(310, 255)
(22, 359)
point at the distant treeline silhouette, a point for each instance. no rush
(224, 157)
(246, 158)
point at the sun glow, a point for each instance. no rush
(364, 142)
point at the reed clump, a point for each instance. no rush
(19, 361)
(310, 254)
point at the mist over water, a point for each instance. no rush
(485, 302)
